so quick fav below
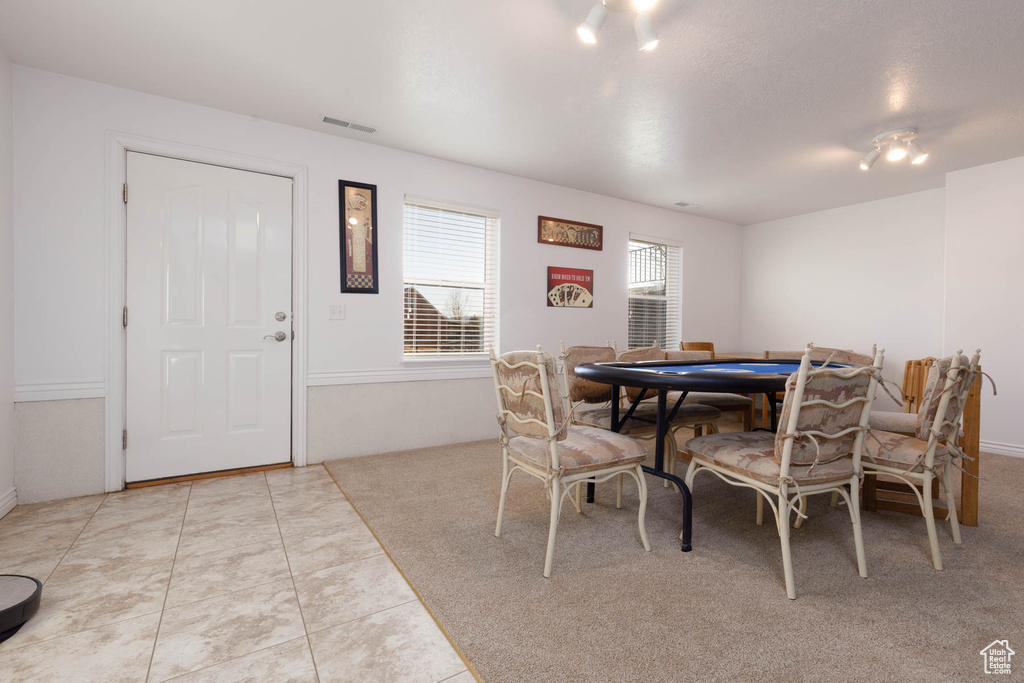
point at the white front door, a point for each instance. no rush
(209, 253)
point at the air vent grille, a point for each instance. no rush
(349, 124)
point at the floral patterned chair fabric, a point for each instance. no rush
(536, 440)
(824, 420)
(580, 389)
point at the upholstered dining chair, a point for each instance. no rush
(925, 458)
(536, 438)
(817, 449)
(819, 355)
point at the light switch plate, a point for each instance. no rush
(337, 312)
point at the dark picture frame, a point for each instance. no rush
(565, 233)
(357, 232)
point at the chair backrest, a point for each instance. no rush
(915, 381)
(945, 395)
(825, 413)
(580, 389)
(529, 402)
(636, 356)
(698, 346)
(688, 355)
(820, 354)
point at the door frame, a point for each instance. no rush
(117, 147)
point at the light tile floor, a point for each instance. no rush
(257, 577)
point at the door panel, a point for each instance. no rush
(208, 267)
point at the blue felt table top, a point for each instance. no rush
(766, 367)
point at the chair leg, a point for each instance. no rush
(760, 508)
(858, 536)
(799, 522)
(929, 520)
(835, 499)
(556, 500)
(787, 558)
(578, 499)
(748, 418)
(618, 492)
(642, 486)
(505, 477)
(947, 483)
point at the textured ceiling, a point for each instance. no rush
(750, 109)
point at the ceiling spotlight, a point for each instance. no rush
(644, 5)
(917, 155)
(869, 161)
(897, 144)
(589, 29)
(897, 150)
(646, 38)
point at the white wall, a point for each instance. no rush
(848, 278)
(985, 289)
(7, 494)
(60, 223)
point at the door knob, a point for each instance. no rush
(280, 336)
(280, 317)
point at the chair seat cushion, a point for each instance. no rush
(727, 402)
(752, 454)
(902, 451)
(645, 417)
(901, 423)
(584, 449)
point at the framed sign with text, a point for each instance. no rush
(570, 287)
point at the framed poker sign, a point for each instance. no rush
(570, 287)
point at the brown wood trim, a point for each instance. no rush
(206, 475)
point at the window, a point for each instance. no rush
(451, 277)
(653, 294)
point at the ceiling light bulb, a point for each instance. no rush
(589, 29)
(917, 155)
(869, 161)
(896, 150)
(644, 5)
(646, 38)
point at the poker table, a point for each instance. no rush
(731, 375)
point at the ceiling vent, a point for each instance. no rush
(349, 124)
(683, 205)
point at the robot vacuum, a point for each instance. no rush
(19, 600)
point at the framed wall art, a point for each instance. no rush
(569, 233)
(570, 287)
(358, 233)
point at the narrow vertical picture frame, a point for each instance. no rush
(358, 237)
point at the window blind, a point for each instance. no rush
(654, 294)
(450, 280)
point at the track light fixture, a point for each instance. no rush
(646, 36)
(898, 144)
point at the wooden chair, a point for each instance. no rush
(924, 460)
(825, 419)
(698, 346)
(536, 438)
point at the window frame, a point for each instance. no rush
(490, 289)
(673, 287)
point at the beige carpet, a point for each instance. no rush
(611, 612)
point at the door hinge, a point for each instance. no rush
(124, 440)
(124, 317)
(124, 193)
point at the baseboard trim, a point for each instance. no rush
(58, 391)
(8, 501)
(999, 448)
